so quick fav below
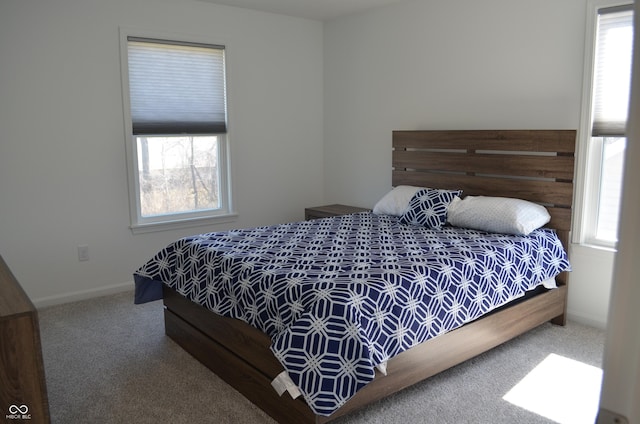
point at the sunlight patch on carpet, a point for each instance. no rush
(560, 389)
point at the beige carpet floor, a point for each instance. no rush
(108, 361)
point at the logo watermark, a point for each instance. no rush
(18, 412)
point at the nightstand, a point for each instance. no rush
(331, 210)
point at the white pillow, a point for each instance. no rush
(497, 214)
(396, 201)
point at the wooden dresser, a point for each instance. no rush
(23, 390)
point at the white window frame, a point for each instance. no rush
(590, 149)
(143, 224)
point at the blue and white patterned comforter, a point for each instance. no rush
(339, 296)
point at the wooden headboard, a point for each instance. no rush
(535, 165)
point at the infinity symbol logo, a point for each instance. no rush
(15, 409)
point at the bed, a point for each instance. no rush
(533, 165)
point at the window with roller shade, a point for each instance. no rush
(608, 96)
(177, 148)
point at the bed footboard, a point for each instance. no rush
(240, 355)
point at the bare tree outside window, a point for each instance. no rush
(178, 174)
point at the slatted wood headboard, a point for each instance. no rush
(535, 165)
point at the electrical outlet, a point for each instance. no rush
(83, 252)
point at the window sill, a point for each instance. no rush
(585, 248)
(182, 223)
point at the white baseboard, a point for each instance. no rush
(586, 320)
(82, 295)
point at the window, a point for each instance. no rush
(176, 119)
(607, 89)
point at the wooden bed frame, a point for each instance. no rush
(535, 165)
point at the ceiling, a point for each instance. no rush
(311, 9)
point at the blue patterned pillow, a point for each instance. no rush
(428, 207)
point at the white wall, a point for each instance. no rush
(62, 151)
(459, 64)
